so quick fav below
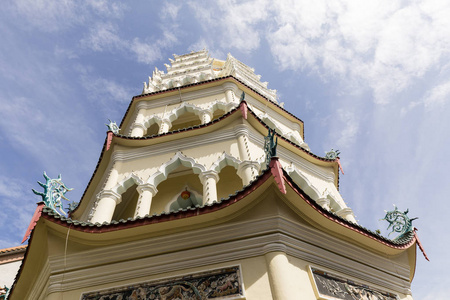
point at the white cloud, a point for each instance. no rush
(385, 47)
(233, 24)
(50, 16)
(170, 10)
(348, 134)
(438, 95)
(103, 36)
(15, 198)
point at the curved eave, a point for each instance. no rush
(351, 231)
(226, 208)
(215, 124)
(210, 83)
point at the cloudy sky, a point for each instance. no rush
(371, 79)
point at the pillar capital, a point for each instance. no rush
(139, 125)
(229, 86)
(209, 174)
(247, 164)
(147, 187)
(166, 121)
(346, 213)
(110, 194)
(324, 202)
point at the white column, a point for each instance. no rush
(138, 130)
(165, 126)
(248, 170)
(206, 117)
(146, 193)
(107, 201)
(209, 180)
(113, 176)
(229, 88)
(280, 276)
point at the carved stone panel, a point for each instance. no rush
(222, 283)
(330, 286)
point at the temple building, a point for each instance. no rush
(207, 190)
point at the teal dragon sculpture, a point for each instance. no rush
(270, 145)
(399, 222)
(54, 190)
(112, 126)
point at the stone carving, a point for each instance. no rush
(399, 221)
(222, 283)
(329, 285)
(54, 190)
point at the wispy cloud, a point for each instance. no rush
(51, 16)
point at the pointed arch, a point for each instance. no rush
(126, 183)
(225, 160)
(182, 109)
(153, 120)
(177, 160)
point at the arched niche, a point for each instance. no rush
(129, 197)
(171, 187)
(152, 125)
(127, 207)
(186, 115)
(229, 182)
(188, 119)
(179, 202)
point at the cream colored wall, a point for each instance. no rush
(254, 274)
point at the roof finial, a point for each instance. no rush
(54, 190)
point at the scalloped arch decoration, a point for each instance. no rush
(216, 105)
(152, 120)
(225, 160)
(177, 160)
(182, 109)
(126, 183)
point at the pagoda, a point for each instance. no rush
(207, 190)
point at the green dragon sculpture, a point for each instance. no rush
(399, 221)
(54, 190)
(270, 145)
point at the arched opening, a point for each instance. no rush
(171, 188)
(153, 129)
(218, 113)
(126, 208)
(229, 182)
(186, 120)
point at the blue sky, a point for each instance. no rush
(369, 79)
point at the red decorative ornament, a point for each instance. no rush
(185, 195)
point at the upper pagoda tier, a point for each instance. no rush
(199, 66)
